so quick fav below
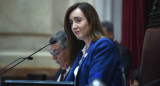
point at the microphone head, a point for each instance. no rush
(30, 58)
(52, 41)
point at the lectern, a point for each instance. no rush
(37, 83)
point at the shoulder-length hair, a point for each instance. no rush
(95, 30)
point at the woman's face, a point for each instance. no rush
(79, 24)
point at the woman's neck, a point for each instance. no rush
(87, 42)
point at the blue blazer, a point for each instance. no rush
(101, 61)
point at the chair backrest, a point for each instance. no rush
(150, 63)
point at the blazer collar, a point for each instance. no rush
(85, 56)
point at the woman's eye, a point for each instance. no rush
(78, 20)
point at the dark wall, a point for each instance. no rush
(153, 12)
(149, 5)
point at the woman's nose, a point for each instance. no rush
(74, 26)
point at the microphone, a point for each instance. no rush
(22, 59)
(52, 41)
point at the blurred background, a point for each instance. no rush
(27, 25)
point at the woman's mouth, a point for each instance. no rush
(77, 32)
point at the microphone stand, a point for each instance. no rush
(29, 58)
(12, 66)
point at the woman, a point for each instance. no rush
(93, 56)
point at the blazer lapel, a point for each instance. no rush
(82, 61)
(85, 56)
(70, 76)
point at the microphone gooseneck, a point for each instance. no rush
(22, 59)
(14, 65)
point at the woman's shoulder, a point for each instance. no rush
(105, 40)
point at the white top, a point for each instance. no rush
(83, 56)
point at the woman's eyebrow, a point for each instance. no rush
(77, 18)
